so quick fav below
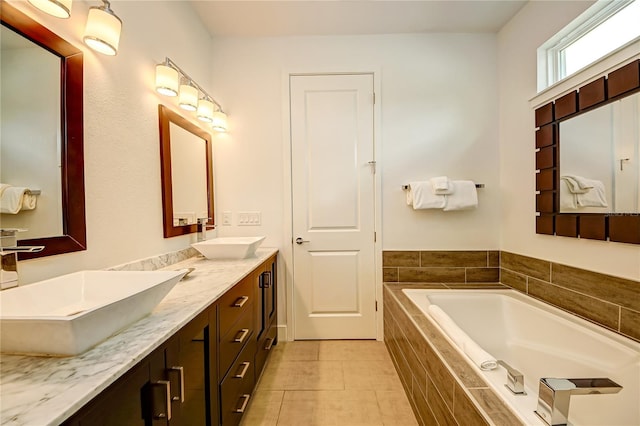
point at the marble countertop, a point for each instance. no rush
(39, 391)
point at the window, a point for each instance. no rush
(602, 29)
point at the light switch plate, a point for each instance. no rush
(227, 218)
(249, 218)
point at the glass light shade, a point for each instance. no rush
(219, 123)
(205, 110)
(167, 80)
(188, 97)
(57, 8)
(102, 32)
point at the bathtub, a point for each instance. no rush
(542, 341)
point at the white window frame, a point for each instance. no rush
(551, 65)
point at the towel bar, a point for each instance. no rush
(34, 192)
(478, 185)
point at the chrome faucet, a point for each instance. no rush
(9, 250)
(515, 379)
(202, 228)
(554, 396)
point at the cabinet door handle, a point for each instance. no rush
(242, 335)
(245, 367)
(269, 344)
(243, 407)
(180, 371)
(241, 301)
(266, 279)
(167, 414)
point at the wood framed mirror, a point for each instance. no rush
(612, 224)
(186, 173)
(70, 135)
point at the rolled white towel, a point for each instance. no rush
(479, 356)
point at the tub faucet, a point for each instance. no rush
(9, 250)
(554, 396)
(515, 379)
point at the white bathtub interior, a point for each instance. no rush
(542, 341)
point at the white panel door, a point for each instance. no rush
(333, 206)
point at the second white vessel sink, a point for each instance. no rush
(229, 247)
(69, 314)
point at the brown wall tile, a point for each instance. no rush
(390, 275)
(424, 412)
(400, 258)
(465, 412)
(536, 268)
(494, 407)
(494, 259)
(630, 323)
(514, 280)
(606, 287)
(439, 408)
(483, 275)
(596, 310)
(453, 258)
(431, 275)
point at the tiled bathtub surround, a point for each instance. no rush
(609, 301)
(442, 387)
(606, 300)
(448, 267)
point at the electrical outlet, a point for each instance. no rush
(227, 218)
(249, 218)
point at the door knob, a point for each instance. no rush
(299, 240)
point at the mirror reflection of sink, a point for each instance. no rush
(228, 247)
(69, 314)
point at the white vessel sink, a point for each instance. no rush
(69, 314)
(228, 247)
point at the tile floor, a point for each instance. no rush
(329, 383)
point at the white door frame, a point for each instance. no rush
(285, 276)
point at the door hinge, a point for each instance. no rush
(376, 306)
(375, 236)
(374, 98)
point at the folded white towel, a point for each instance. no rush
(595, 197)
(567, 198)
(441, 185)
(422, 196)
(479, 356)
(16, 198)
(576, 184)
(464, 196)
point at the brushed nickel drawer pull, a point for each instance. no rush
(246, 397)
(245, 367)
(241, 301)
(243, 335)
(269, 344)
(167, 386)
(180, 371)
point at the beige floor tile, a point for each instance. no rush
(303, 375)
(372, 375)
(264, 409)
(352, 350)
(395, 409)
(330, 408)
(303, 350)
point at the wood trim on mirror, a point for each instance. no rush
(620, 227)
(166, 116)
(74, 236)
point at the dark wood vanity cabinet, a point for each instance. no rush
(205, 373)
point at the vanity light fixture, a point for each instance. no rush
(57, 8)
(191, 96)
(188, 97)
(102, 32)
(205, 110)
(219, 122)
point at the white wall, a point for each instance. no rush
(121, 142)
(438, 116)
(517, 44)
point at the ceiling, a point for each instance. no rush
(240, 18)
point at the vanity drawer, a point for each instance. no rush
(265, 346)
(236, 338)
(235, 303)
(236, 388)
